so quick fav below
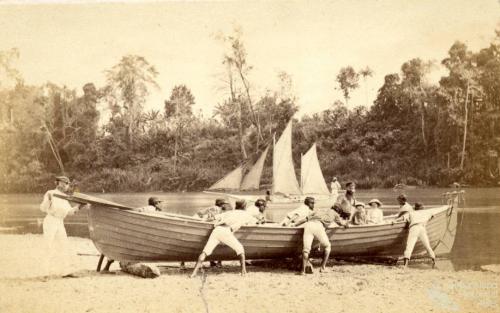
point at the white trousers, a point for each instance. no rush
(314, 229)
(58, 251)
(417, 232)
(223, 234)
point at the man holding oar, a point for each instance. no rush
(53, 227)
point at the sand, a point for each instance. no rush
(268, 287)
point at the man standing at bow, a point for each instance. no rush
(54, 232)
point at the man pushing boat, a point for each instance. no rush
(299, 213)
(226, 225)
(315, 228)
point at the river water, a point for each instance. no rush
(476, 244)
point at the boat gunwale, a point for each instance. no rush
(438, 209)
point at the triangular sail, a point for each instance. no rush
(230, 181)
(251, 180)
(284, 179)
(311, 177)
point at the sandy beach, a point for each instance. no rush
(267, 288)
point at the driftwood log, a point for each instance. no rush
(140, 269)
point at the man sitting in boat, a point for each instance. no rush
(226, 225)
(257, 210)
(208, 214)
(299, 213)
(417, 231)
(374, 214)
(153, 206)
(315, 227)
(348, 202)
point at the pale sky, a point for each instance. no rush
(73, 44)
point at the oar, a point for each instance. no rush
(84, 199)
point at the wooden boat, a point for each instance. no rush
(126, 235)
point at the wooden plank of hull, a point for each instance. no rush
(126, 235)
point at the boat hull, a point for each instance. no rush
(133, 236)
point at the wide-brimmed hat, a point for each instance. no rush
(63, 179)
(358, 203)
(377, 201)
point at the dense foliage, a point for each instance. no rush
(414, 132)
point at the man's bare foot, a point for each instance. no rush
(309, 269)
(244, 273)
(323, 270)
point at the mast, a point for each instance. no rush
(274, 153)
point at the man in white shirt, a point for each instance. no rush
(257, 210)
(153, 206)
(299, 213)
(226, 225)
(417, 231)
(315, 228)
(404, 206)
(335, 186)
(209, 214)
(54, 232)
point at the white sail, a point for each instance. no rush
(230, 181)
(284, 179)
(251, 181)
(311, 176)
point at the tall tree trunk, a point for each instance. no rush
(366, 91)
(240, 131)
(240, 114)
(176, 148)
(177, 132)
(255, 118)
(462, 159)
(422, 123)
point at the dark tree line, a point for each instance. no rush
(414, 132)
